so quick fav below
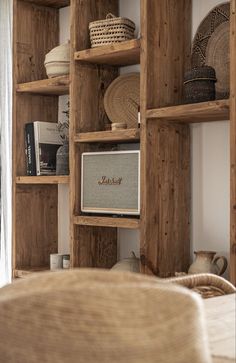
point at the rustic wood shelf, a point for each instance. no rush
(190, 113)
(128, 135)
(27, 271)
(119, 54)
(52, 3)
(55, 179)
(52, 86)
(132, 223)
(164, 56)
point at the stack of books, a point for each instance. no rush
(42, 141)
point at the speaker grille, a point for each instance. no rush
(111, 182)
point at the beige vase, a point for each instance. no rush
(206, 262)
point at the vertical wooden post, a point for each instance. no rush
(233, 141)
(165, 147)
(91, 246)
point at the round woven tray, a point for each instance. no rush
(217, 56)
(122, 99)
(211, 46)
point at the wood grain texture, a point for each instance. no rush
(35, 225)
(56, 179)
(129, 135)
(52, 86)
(94, 247)
(165, 232)
(131, 223)
(196, 112)
(28, 271)
(165, 147)
(118, 54)
(88, 85)
(167, 44)
(35, 36)
(35, 32)
(52, 3)
(233, 142)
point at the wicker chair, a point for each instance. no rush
(88, 316)
(207, 285)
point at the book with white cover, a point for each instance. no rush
(47, 140)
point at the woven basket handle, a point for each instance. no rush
(107, 26)
(225, 263)
(110, 16)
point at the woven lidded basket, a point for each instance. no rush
(199, 84)
(111, 30)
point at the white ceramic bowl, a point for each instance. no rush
(56, 69)
(57, 61)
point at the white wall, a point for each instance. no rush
(210, 163)
(210, 172)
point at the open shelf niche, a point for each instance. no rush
(35, 199)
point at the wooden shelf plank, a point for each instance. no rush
(55, 179)
(28, 271)
(132, 223)
(128, 135)
(197, 112)
(51, 86)
(117, 54)
(52, 3)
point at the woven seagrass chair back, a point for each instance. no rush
(96, 316)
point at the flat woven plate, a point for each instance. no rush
(122, 99)
(211, 46)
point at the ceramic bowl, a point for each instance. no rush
(57, 61)
(55, 69)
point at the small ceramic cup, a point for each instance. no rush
(56, 261)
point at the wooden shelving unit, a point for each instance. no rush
(121, 136)
(52, 3)
(190, 113)
(57, 86)
(27, 271)
(120, 54)
(131, 223)
(164, 137)
(57, 179)
(35, 199)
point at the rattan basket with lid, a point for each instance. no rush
(199, 84)
(111, 30)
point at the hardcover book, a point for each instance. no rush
(42, 140)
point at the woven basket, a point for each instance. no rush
(110, 30)
(199, 84)
(205, 284)
(122, 99)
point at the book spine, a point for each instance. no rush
(37, 148)
(30, 150)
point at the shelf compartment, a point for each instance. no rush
(197, 112)
(52, 86)
(117, 54)
(52, 3)
(55, 179)
(131, 223)
(28, 271)
(128, 135)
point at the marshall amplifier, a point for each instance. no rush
(111, 182)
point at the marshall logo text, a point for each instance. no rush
(109, 181)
